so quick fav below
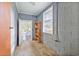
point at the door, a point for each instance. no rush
(4, 28)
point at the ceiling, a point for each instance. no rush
(31, 8)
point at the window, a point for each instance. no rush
(48, 21)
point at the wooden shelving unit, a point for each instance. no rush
(37, 36)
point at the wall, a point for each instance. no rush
(26, 17)
(68, 28)
(14, 18)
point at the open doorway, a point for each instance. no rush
(25, 31)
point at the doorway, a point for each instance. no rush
(25, 30)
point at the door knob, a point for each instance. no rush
(57, 41)
(10, 27)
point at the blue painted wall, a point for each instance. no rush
(26, 17)
(14, 18)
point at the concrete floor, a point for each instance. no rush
(33, 48)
